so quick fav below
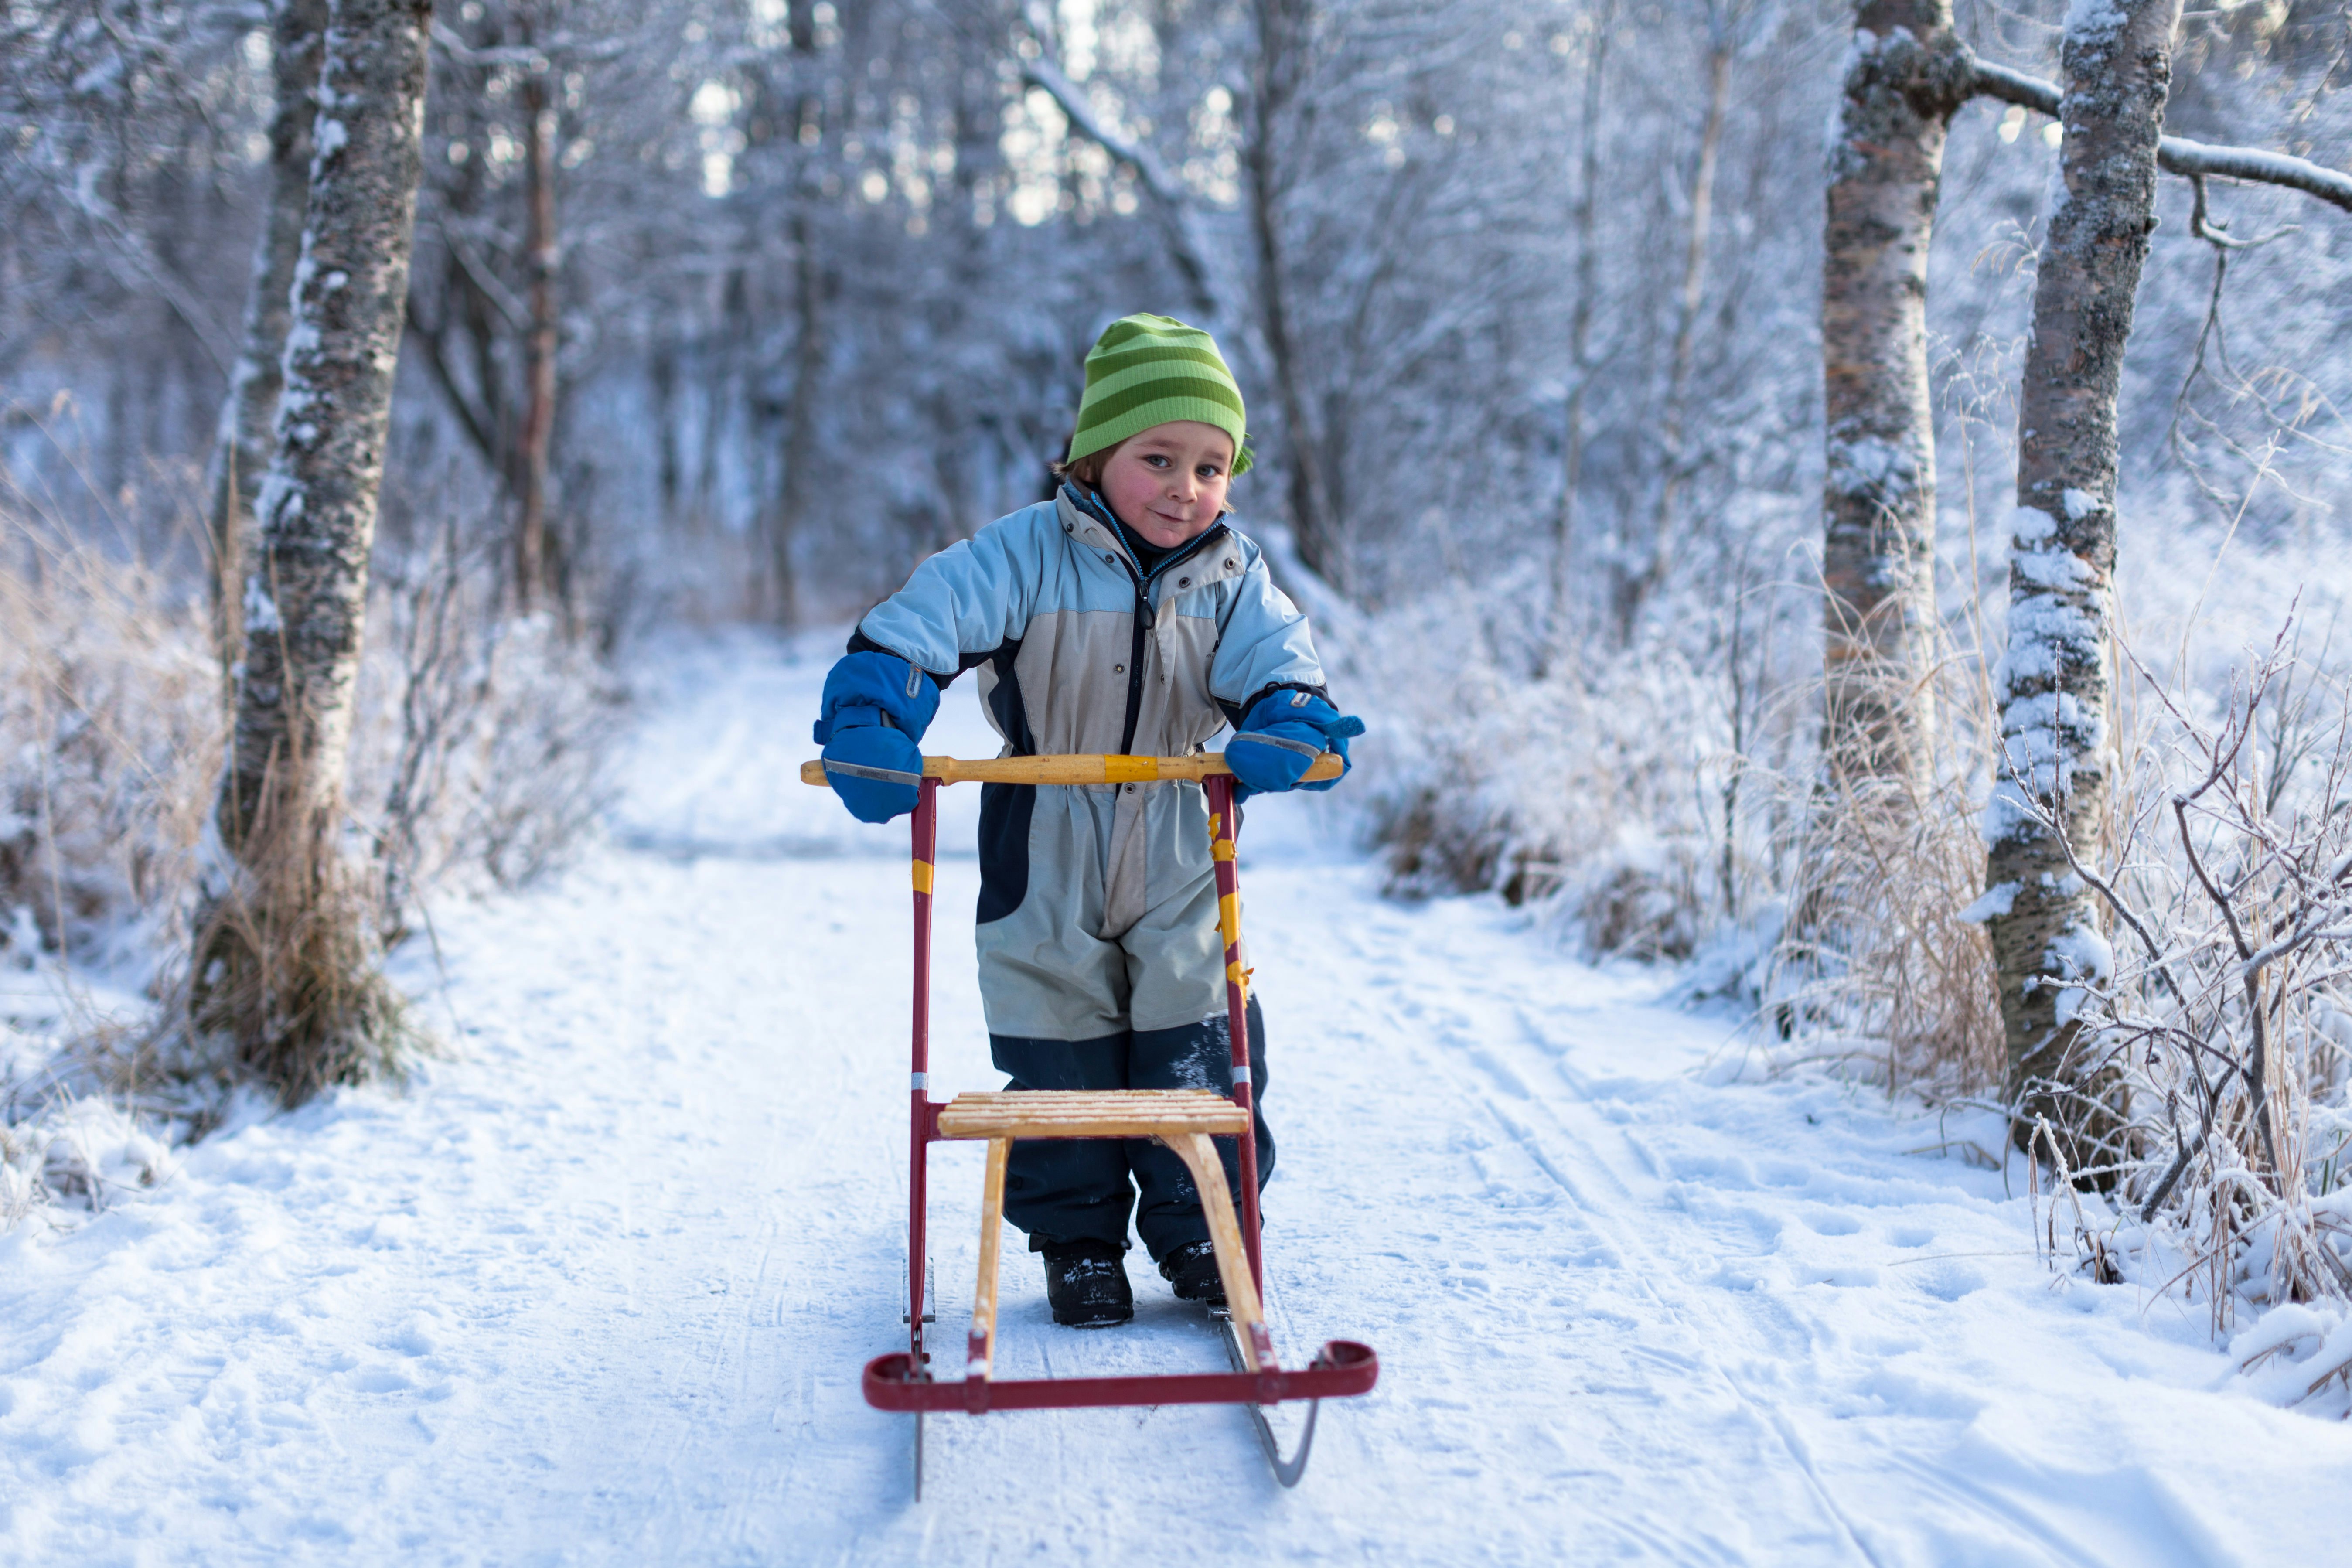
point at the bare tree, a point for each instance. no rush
(282, 962)
(538, 567)
(1189, 246)
(486, 305)
(1581, 359)
(1279, 76)
(1639, 571)
(241, 450)
(1907, 74)
(810, 286)
(2051, 796)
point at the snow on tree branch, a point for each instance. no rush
(2178, 154)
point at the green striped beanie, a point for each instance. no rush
(1148, 370)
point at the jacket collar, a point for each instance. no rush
(1086, 518)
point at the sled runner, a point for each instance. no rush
(1186, 1120)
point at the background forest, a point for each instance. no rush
(732, 312)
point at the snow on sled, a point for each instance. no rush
(1187, 1121)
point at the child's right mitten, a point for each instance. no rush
(1280, 737)
(876, 707)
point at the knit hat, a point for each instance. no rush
(1148, 370)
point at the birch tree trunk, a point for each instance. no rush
(2052, 682)
(241, 446)
(1907, 72)
(283, 964)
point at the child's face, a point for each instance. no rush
(1168, 483)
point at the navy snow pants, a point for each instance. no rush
(1082, 1189)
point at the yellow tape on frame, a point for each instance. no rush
(922, 876)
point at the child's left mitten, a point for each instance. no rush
(1280, 737)
(876, 707)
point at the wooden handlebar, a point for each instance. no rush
(1081, 769)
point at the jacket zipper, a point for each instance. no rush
(1145, 618)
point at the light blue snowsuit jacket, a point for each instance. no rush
(1098, 904)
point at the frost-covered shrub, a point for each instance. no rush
(1608, 788)
(479, 743)
(2222, 1020)
(78, 1154)
(479, 759)
(481, 749)
(109, 744)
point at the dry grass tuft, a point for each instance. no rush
(1883, 963)
(287, 984)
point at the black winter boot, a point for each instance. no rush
(1191, 1271)
(1085, 1282)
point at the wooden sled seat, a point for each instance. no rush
(1182, 1118)
(1091, 1113)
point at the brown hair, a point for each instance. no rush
(1088, 470)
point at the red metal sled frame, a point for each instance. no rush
(901, 1382)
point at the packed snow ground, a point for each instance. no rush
(597, 1288)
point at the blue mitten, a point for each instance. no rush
(1280, 737)
(876, 707)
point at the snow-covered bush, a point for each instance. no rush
(78, 1154)
(478, 760)
(109, 744)
(481, 746)
(1623, 791)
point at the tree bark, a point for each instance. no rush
(241, 446)
(1907, 73)
(279, 966)
(536, 566)
(795, 489)
(801, 437)
(1579, 330)
(1276, 76)
(2051, 793)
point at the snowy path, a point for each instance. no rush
(598, 1288)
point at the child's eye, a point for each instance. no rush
(1156, 460)
(1208, 470)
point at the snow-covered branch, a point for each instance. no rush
(1191, 249)
(2178, 154)
(1041, 73)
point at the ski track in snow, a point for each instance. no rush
(598, 1287)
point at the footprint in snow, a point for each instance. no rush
(1949, 1282)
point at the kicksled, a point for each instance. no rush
(1187, 1122)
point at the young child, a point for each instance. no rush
(1121, 616)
